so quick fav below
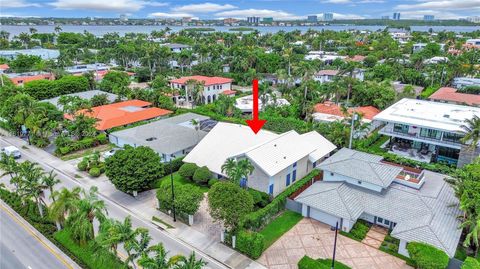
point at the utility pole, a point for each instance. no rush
(352, 129)
(173, 193)
(335, 245)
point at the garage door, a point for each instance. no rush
(324, 217)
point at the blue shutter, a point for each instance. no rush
(288, 180)
(294, 175)
(270, 189)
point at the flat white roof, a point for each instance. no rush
(434, 115)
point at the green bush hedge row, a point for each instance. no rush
(250, 243)
(309, 263)
(359, 231)
(471, 263)
(258, 219)
(93, 256)
(69, 145)
(173, 166)
(426, 256)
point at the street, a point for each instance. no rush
(21, 246)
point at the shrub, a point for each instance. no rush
(260, 199)
(426, 256)
(187, 170)
(309, 263)
(212, 182)
(94, 172)
(471, 263)
(250, 244)
(173, 166)
(359, 230)
(202, 175)
(83, 165)
(257, 219)
(187, 198)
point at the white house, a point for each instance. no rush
(279, 159)
(177, 48)
(416, 205)
(213, 87)
(328, 75)
(245, 104)
(45, 54)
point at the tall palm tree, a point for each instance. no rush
(190, 263)
(159, 259)
(113, 232)
(11, 168)
(80, 221)
(137, 245)
(31, 185)
(63, 205)
(50, 180)
(471, 130)
(238, 170)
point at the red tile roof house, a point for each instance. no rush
(213, 87)
(451, 96)
(20, 79)
(122, 113)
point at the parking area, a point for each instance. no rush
(315, 239)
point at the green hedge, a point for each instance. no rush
(359, 230)
(258, 219)
(260, 199)
(93, 256)
(471, 263)
(187, 170)
(174, 164)
(309, 263)
(202, 175)
(426, 256)
(69, 145)
(250, 243)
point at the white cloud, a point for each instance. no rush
(242, 13)
(340, 16)
(418, 14)
(109, 5)
(442, 5)
(17, 4)
(203, 8)
(164, 15)
(337, 1)
(371, 1)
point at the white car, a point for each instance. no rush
(12, 151)
(110, 153)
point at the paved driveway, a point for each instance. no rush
(315, 239)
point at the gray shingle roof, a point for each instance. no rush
(84, 95)
(361, 166)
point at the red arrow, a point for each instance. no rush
(255, 123)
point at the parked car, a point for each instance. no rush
(12, 151)
(110, 153)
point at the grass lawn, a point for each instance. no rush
(177, 179)
(86, 152)
(279, 226)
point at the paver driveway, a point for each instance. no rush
(315, 239)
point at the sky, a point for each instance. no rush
(218, 9)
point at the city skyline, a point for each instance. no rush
(278, 9)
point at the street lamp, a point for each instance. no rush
(173, 192)
(335, 245)
(352, 129)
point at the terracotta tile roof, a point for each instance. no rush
(327, 72)
(24, 79)
(229, 92)
(451, 94)
(356, 58)
(122, 113)
(207, 80)
(330, 108)
(4, 66)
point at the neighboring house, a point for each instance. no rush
(279, 159)
(171, 137)
(451, 96)
(328, 75)
(245, 104)
(416, 205)
(213, 87)
(177, 48)
(417, 47)
(329, 112)
(84, 95)
(427, 131)
(21, 78)
(122, 113)
(45, 54)
(85, 68)
(461, 82)
(356, 58)
(325, 56)
(4, 67)
(436, 60)
(472, 44)
(400, 87)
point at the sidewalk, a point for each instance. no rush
(144, 206)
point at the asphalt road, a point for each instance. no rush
(21, 248)
(173, 245)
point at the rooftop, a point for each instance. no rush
(206, 80)
(451, 95)
(429, 114)
(327, 72)
(84, 95)
(122, 113)
(368, 112)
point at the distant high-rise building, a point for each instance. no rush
(253, 20)
(428, 17)
(474, 19)
(186, 19)
(229, 21)
(385, 17)
(123, 17)
(267, 20)
(312, 18)
(328, 16)
(396, 16)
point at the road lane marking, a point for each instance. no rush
(26, 228)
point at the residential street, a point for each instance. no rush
(21, 246)
(180, 240)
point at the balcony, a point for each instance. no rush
(410, 177)
(414, 134)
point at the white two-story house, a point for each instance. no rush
(329, 75)
(213, 87)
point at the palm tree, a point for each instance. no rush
(63, 205)
(159, 260)
(58, 29)
(25, 39)
(80, 221)
(31, 185)
(190, 263)
(238, 170)
(472, 132)
(11, 168)
(137, 245)
(113, 232)
(472, 224)
(50, 180)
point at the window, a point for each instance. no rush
(380, 220)
(288, 180)
(270, 189)
(295, 164)
(429, 133)
(294, 175)
(314, 164)
(387, 222)
(400, 128)
(359, 182)
(331, 174)
(452, 137)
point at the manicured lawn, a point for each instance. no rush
(86, 152)
(177, 179)
(279, 226)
